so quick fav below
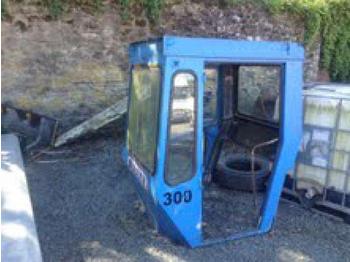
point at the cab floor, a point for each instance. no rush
(235, 208)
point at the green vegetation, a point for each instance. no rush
(57, 8)
(152, 7)
(3, 9)
(328, 20)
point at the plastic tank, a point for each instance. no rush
(323, 163)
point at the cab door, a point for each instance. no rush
(179, 187)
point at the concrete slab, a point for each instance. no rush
(19, 239)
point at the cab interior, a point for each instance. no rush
(241, 112)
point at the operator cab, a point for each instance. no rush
(200, 108)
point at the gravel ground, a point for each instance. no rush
(86, 209)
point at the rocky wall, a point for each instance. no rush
(77, 66)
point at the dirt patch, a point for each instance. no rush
(86, 209)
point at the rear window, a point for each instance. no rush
(259, 91)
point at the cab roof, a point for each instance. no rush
(153, 51)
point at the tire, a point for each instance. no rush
(234, 172)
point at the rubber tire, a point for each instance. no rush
(240, 179)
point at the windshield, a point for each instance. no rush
(143, 115)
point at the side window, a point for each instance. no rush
(143, 114)
(258, 91)
(181, 142)
(210, 95)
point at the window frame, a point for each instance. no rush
(257, 119)
(170, 113)
(216, 118)
(130, 151)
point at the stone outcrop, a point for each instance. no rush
(77, 66)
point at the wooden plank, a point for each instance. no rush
(103, 118)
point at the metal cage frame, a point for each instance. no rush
(183, 222)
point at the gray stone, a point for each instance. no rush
(59, 67)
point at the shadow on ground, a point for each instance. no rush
(86, 209)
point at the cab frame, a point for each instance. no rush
(181, 221)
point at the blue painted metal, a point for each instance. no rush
(183, 223)
(219, 49)
(210, 132)
(290, 136)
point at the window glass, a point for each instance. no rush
(258, 91)
(181, 143)
(210, 95)
(228, 73)
(143, 114)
